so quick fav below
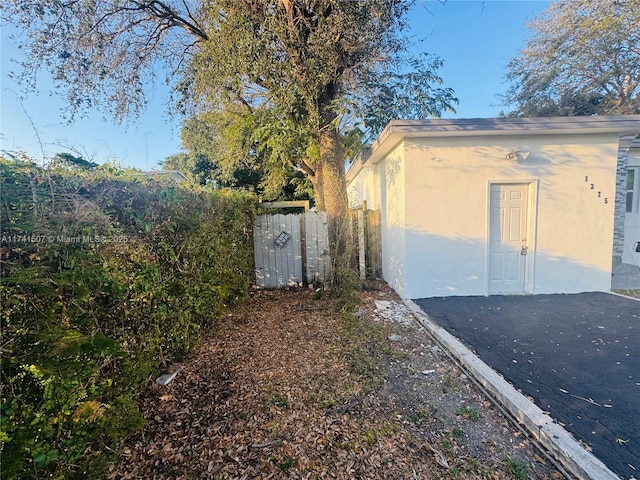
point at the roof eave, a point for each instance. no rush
(398, 130)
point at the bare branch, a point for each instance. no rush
(162, 11)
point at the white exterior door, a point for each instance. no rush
(508, 242)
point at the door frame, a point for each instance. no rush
(532, 224)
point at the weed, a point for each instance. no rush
(480, 469)
(276, 400)
(273, 428)
(468, 412)
(348, 446)
(519, 470)
(362, 344)
(395, 354)
(457, 432)
(629, 293)
(450, 384)
(287, 463)
(322, 400)
(420, 414)
(370, 437)
(446, 443)
(346, 280)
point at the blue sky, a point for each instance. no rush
(475, 39)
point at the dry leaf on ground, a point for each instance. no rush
(288, 386)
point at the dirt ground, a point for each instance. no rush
(293, 385)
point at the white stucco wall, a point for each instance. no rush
(434, 196)
(434, 199)
(391, 174)
(447, 211)
(365, 187)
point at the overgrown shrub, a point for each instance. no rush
(106, 276)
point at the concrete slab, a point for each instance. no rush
(561, 351)
(625, 276)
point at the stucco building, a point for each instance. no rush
(503, 206)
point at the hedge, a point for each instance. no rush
(106, 278)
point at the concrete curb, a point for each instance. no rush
(555, 439)
(623, 296)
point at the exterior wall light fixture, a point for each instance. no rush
(517, 155)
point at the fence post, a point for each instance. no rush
(362, 241)
(303, 248)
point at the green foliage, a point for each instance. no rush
(72, 160)
(629, 293)
(583, 58)
(400, 92)
(279, 77)
(104, 54)
(198, 168)
(301, 76)
(287, 463)
(363, 345)
(517, 469)
(231, 149)
(277, 399)
(105, 277)
(468, 412)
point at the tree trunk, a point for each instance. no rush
(318, 187)
(334, 189)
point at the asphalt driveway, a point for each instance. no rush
(577, 356)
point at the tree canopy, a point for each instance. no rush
(296, 73)
(221, 150)
(582, 58)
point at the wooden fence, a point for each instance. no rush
(285, 246)
(369, 240)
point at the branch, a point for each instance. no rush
(186, 7)
(183, 56)
(164, 12)
(242, 100)
(35, 130)
(303, 166)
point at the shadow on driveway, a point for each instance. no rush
(577, 356)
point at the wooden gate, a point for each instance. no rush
(285, 246)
